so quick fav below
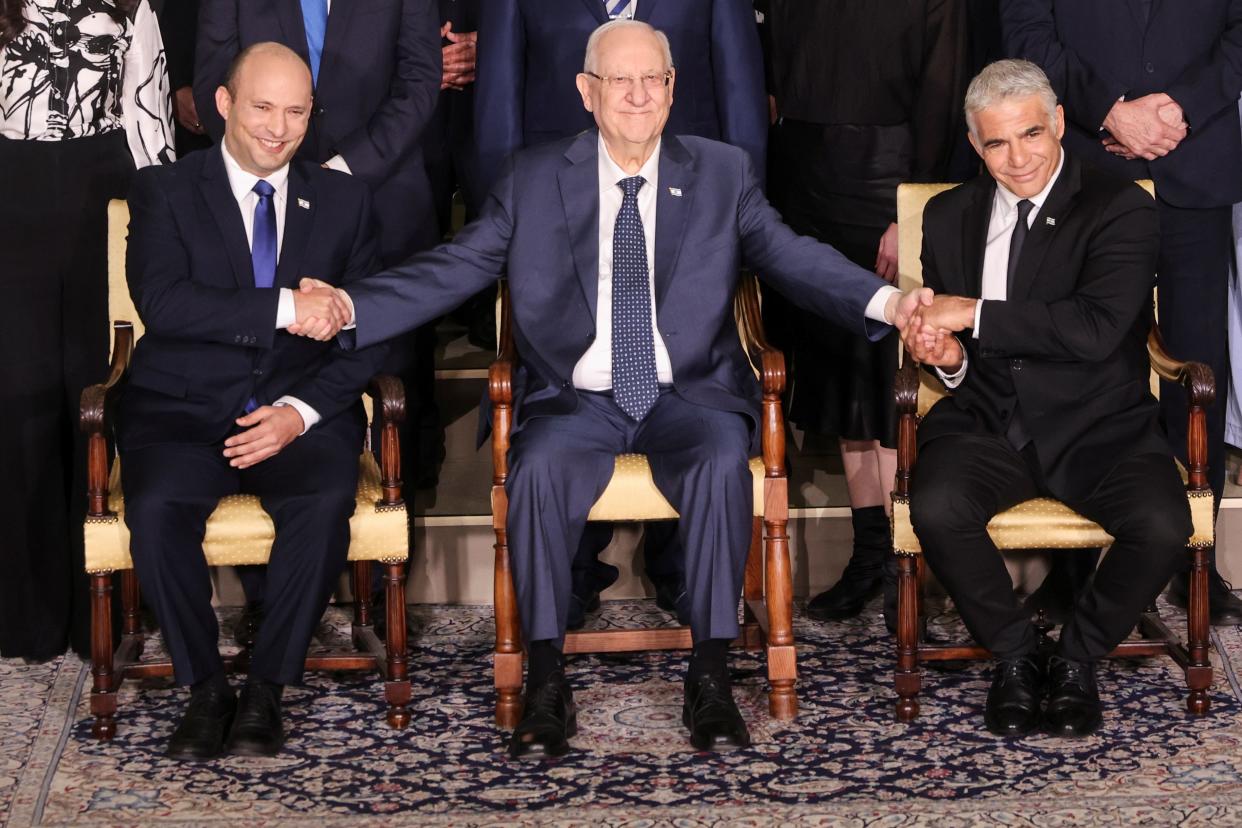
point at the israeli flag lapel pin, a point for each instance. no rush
(674, 191)
(1050, 221)
(304, 204)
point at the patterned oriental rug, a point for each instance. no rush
(845, 760)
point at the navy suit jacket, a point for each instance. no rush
(211, 342)
(540, 224)
(530, 51)
(1095, 52)
(379, 79)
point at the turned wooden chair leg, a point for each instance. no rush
(782, 656)
(752, 587)
(103, 691)
(362, 594)
(397, 688)
(508, 655)
(1199, 670)
(907, 678)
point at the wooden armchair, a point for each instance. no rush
(1041, 523)
(238, 532)
(631, 495)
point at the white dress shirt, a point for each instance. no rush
(995, 286)
(242, 185)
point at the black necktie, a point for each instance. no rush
(1015, 243)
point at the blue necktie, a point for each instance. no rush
(263, 246)
(618, 8)
(634, 383)
(315, 21)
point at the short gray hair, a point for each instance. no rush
(590, 64)
(1008, 79)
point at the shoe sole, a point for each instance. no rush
(538, 752)
(714, 747)
(250, 749)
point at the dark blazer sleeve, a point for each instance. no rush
(177, 23)
(337, 383)
(397, 125)
(1213, 81)
(1113, 287)
(435, 282)
(808, 273)
(216, 45)
(737, 68)
(937, 116)
(1030, 32)
(169, 302)
(499, 88)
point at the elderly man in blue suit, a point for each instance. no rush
(622, 247)
(528, 53)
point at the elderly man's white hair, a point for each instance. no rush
(1008, 79)
(590, 64)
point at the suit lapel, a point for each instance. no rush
(290, 13)
(339, 18)
(1052, 215)
(300, 206)
(673, 207)
(228, 217)
(579, 186)
(643, 12)
(975, 234)
(596, 8)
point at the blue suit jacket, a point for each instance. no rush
(541, 224)
(210, 343)
(530, 51)
(1095, 52)
(379, 80)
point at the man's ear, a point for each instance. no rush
(584, 89)
(974, 142)
(224, 102)
(1059, 122)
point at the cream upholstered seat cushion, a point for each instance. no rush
(240, 532)
(632, 494)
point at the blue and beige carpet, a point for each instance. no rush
(845, 760)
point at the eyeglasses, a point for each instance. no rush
(651, 80)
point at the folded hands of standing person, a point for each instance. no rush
(459, 57)
(1149, 127)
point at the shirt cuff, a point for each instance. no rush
(974, 332)
(955, 379)
(875, 308)
(309, 415)
(286, 311)
(353, 320)
(337, 163)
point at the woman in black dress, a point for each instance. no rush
(83, 100)
(869, 94)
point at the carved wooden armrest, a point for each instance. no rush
(389, 396)
(95, 405)
(500, 389)
(771, 364)
(906, 397)
(1200, 387)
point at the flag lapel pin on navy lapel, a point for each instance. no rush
(304, 204)
(674, 191)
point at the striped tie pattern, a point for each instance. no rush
(620, 8)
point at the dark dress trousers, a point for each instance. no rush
(211, 346)
(540, 225)
(1065, 352)
(1094, 53)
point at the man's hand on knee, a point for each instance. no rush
(269, 429)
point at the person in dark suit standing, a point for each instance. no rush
(623, 247)
(1150, 90)
(178, 26)
(222, 400)
(1043, 269)
(529, 51)
(376, 70)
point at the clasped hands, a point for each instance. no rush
(928, 328)
(1149, 127)
(322, 310)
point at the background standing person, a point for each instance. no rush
(83, 101)
(868, 96)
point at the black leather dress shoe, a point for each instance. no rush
(1224, 608)
(246, 627)
(549, 721)
(201, 731)
(1073, 699)
(1013, 700)
(257, 730)
(710, 713)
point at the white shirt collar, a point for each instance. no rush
(1009, 200)
(610, 172)
(242, 182)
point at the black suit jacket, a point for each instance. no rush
(210, 343)
(1095, 52)
(1069, 343)
(379, 79)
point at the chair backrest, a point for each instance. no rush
(120, 303)
(911, 200)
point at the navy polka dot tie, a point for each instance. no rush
(634, 384)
